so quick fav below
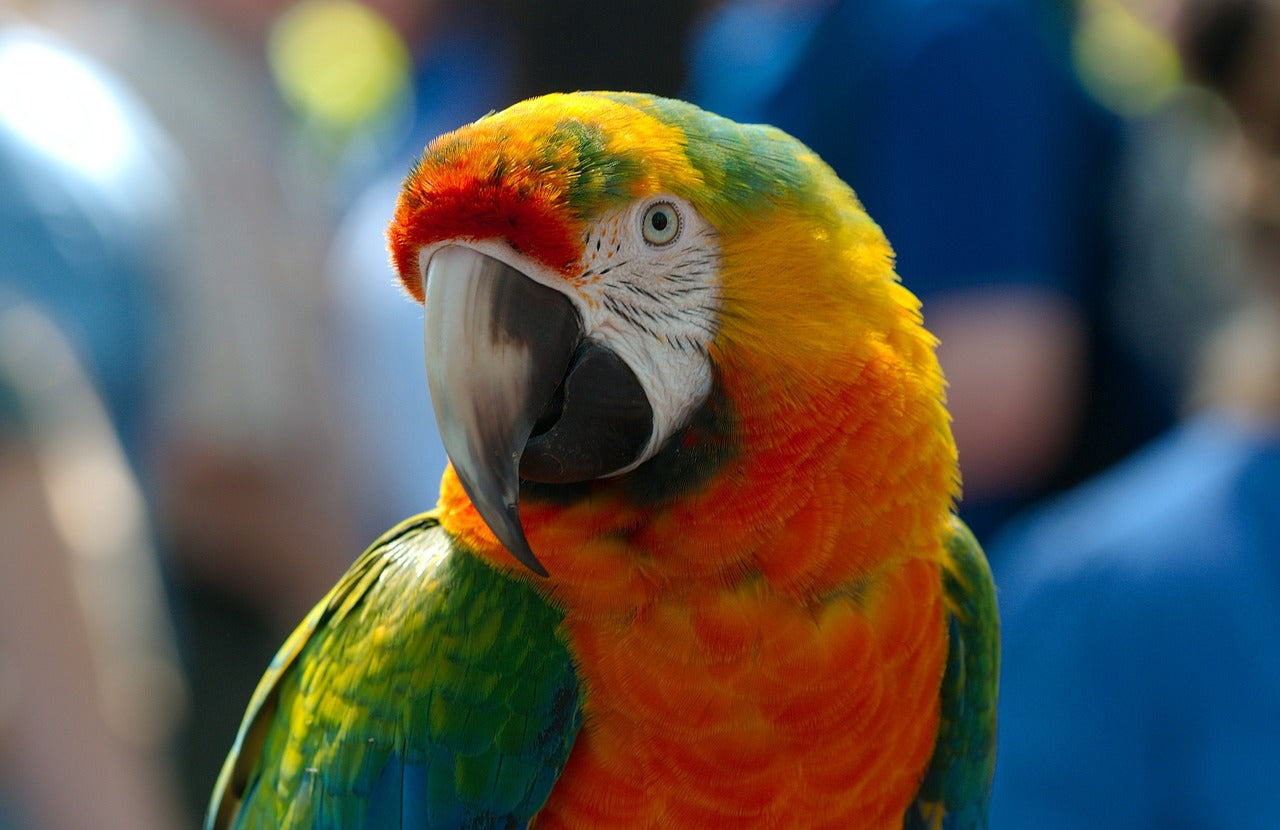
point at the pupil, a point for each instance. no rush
(659, 221)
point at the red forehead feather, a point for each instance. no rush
(482, 195)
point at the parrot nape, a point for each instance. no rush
(694, 562)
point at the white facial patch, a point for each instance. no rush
(655, 305)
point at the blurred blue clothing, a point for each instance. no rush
(1141, 672)
(86, 191)
(959, 123)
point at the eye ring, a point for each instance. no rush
(661, 224)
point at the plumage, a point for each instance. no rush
(402, 701)
(768, 617)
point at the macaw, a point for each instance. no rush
(694, 561)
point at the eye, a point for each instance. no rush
(661, 223)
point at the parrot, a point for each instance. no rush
(695, 560)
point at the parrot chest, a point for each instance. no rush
(752, 708)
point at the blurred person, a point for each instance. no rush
(1140, 675)
(964, 129)
(90, 687)
(247, 475)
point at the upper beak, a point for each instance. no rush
(498, 344)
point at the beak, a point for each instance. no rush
(498, 345)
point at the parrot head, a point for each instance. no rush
(612, 280)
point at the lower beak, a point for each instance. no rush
(498, 345)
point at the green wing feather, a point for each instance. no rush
(426, 690)
(957, 785)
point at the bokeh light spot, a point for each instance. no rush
(1124, 63)
(338, 62)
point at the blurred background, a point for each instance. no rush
(212, 393)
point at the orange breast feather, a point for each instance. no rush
(767, 651)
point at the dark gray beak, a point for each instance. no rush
(498, 346)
